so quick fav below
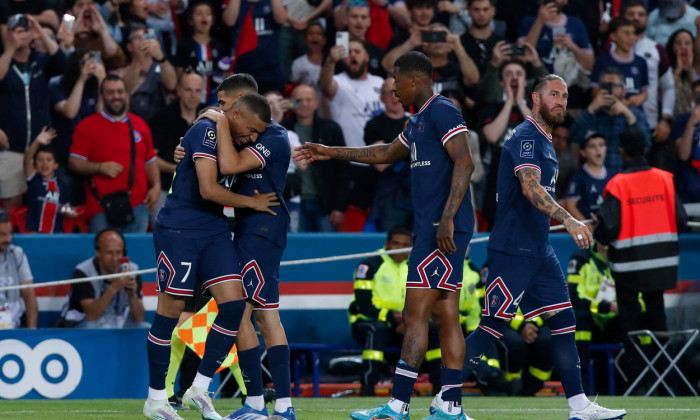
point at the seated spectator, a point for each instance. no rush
(608, 115)
(422, 13)
(686, 135)
(671, 16)
(200, 51)
(480, 38)
(376, 311)
(300, 15)
(40, 10)
(111, 303)
(102, 151)
(633, 68)
(686, 69)
(48, 197)
(90, 32)
(19, 306)
(586, 187)
(452, 67)
(24, 110)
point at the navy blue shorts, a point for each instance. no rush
(260, 270)
(429, 268)
(185, 263)
(536, 285)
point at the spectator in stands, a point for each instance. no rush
(354, 97)
(452, 67)
(376, 311)
(109, 303)
(422, 13)
(609, 115)
(40, 10)
(20, 308)
(392, 199)
(384, 16)
(306, 69)
(585, 191)
(300, 15)
(169, 125)
(556, 35)
(685, 69)
(480, 38)
(671, 16)
(661, 89)
(160, 18)
(633, 68)
(102, 150)
(48, 197)
(90, 32)
(200, 51)
(592, 290)
(24, 109)
(567, 157)
(358, 22)
(325, 186)
(686, 135)
(149, 75)
(122, 15)
(263, 60)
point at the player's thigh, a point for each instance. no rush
(219, 268)
(177, 261)
(508, 280)
(446, 310)
(548, 291)
(430, 268)
(260, 262)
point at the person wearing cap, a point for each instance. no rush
(671, 16)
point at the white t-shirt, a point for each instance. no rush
(355, 102)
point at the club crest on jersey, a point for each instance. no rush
(209, 138)
(527, 149)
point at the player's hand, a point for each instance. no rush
(179, 152)
(214, 115)
(263, 202)
(529, 332)
(445, 240)
(111, 169)
(311, 152)
(582, 236)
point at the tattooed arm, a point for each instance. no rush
(458, 149)
(378, 153)
(533, 190)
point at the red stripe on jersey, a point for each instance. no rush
(532, 120)
(258, 155)
(427, 103)
(204, 155)
(527, 165)
(453, 132)
(403, 140)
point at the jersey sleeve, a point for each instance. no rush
(448, 121)
(201, 140)
(521, 150)
(273, 144)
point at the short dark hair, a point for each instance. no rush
(632, 142)
(412, 4)
(315, 23)
(46, 148)
(4, 216)
(398, 230)
(632, 3)
(414, 62)
(258, 105)
(194, 4)
(611, 70)
(617, 23)
(99, 234)
(238, 82)
(111, 78)
(491, 2)
(509, 62)
(592, 135)
(542, 82)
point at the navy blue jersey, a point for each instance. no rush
(44, 200)
(588, 188)
(520, 228)
(425, 135)
(635, 75)
(273, 151)
(185, 209)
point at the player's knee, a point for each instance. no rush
(169, 305)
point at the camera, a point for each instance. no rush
(517, 50)
(295, 103)
(434, 36)
(18, 20)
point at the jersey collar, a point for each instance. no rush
(112, 119)
(544, 133)
(427, 103)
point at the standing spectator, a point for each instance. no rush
(453, 69)
(567, 157)
(686, 136)
(358, 22)
(385, 15)
(306, 70)
(19, 306)
(640, 218)
(685, 68)
(102, 148)
(149, 76)
(263, 61)
(422, 13)
(480, 39)
(200, 51)
(90, 32)
(169, 125)
(300, 15)
(160, 17)
(325, 186)
(24, 110)
(609, 115)
(671, 16)
(113, 303)
(38, 9)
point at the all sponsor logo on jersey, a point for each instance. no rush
(262, 149)
(527, 149)
(414, 157)
(209, 138)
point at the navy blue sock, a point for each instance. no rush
(158, 349)
(278, 357)
(404, 379)
(222, 336)
(249, 361)
(451, 384)
(564, 352)
(490, 330)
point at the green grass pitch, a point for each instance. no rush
(480, 408)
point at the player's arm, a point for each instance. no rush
(378, 153)
(458, 149)
(532, 189)
(209, 189)
(229, 159)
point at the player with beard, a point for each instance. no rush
(524, 271)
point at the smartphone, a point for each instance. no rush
(68, 22)
(150, 34)
(123, 264)
(517, 50)
(18, 20)
(95, 55)
(295, 103)
(434, 36)
(343, 38)
(607, 86)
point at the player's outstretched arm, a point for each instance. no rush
(533, 190)
(458, 149)
(211, 190)
(378, 153)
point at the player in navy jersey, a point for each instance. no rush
(194, 249)
(436, 140)
(524, 271)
